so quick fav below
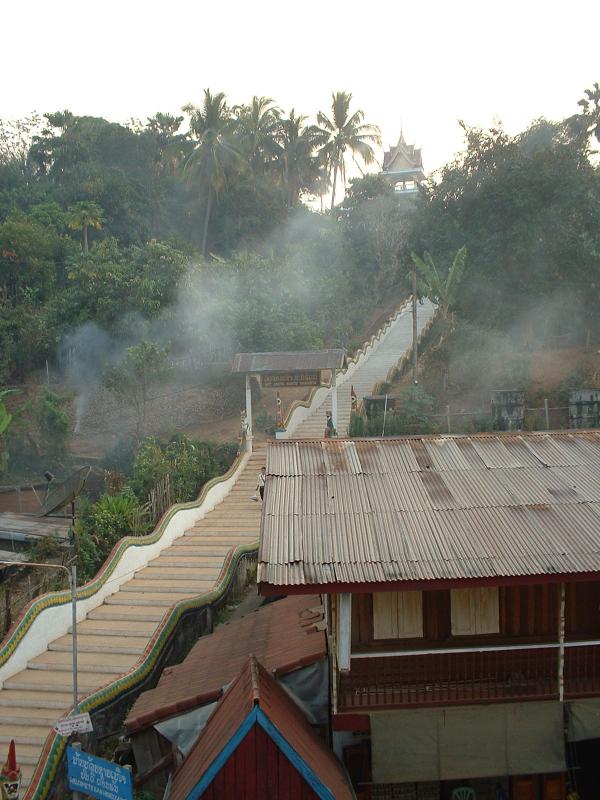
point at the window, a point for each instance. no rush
(475, 611)
(397, 615)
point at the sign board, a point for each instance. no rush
(79, 723)
(97, 777)
(270, 380)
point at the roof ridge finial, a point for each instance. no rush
(254, 679)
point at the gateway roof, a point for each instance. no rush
(289, 362)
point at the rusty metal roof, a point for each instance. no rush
(254, 689)
(430, 508)
(280, 634)
(308, 360)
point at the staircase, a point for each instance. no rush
(374, 368)
(115, 634)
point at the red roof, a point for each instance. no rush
(254, 688)
(280, 634)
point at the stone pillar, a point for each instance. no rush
(248, 414)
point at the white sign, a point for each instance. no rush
(80, 723)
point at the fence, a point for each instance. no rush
(392, 422)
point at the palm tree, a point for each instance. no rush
(84, 215)
(441, 290)
(215, 151)
(344, 131)
(257, 130)
(299, 167)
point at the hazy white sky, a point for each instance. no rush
(420, 64)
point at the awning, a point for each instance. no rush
(584, 719)
(473, 742)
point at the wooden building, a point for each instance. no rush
(257, 745)
(462, 585)
(287, 638)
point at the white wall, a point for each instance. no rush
(54, 622)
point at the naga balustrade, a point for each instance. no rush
(466, 676)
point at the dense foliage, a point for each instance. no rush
(109, 224)
(527, 208)
(123, 510)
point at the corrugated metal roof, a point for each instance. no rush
(255, 687)
(308, 360)
(281, 634)
(427, 508)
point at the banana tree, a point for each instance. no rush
(441, 289)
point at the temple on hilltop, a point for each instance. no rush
(403, 165)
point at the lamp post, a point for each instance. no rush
(72, 575)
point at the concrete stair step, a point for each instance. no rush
(184, 547)
(186, 560)
(57, 681)
(157, 586)
(224, 535)
(20, 715)
(86, 662)
(99, 644)
(178, 573)
(112, 628)
(23, 734)
(149, 599)
(118, 613)
(27, 771)
(33, 699)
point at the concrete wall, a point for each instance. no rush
(55, 621)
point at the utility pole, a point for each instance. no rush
(415, 343)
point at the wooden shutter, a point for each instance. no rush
(397, 615)
(475, 611)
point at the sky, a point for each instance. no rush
(420, 66)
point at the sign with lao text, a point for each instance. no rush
(97, 777)
(270, 380)
(78, 723)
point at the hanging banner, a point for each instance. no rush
(272, 380)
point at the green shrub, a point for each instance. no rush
(101, 525)
(189, 463)
(357, 426)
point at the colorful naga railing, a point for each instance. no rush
(53, 599)
(55, 745)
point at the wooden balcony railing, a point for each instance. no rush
(469, 676)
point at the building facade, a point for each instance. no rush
(462, 586)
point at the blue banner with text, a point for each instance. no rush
(97, 777)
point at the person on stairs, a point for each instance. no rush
(328, 425)
(262, 476)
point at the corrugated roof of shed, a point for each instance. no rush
(281, 634)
